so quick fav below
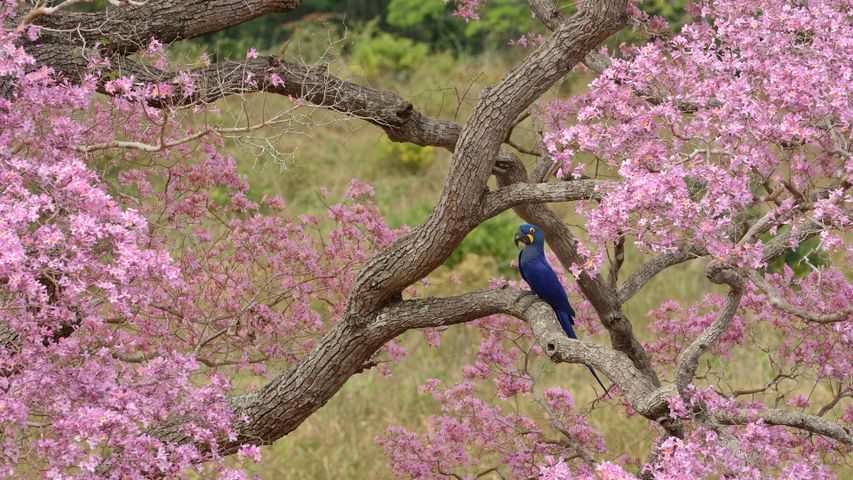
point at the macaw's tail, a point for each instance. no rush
(566, 322)
(606, 394)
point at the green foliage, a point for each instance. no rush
(802, 259)
(673, 11)
(492, 239)
(489, 245)
(411, 13)
(429, 22)
(501, 21)
(406, 157)
(432, 22)
(376, 52)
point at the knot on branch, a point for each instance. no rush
(721, 273)
(611, 320)
(655, 406)
(551, 351)
(404, 111)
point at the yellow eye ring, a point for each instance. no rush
(532, 229)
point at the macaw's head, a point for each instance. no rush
(529, 235)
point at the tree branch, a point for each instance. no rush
(526, 193)
(547, 12)
(776, 300)
(688, 359)
(780, 244)
(128, 28)
(373, 315)
(313, 84)
(279, 407)
(787, 418)
(638, 279)
(616, 262)
(455, 214)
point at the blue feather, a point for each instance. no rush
(537, 272)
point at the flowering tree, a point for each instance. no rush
(137, 278)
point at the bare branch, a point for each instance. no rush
(312, 84)
(163, 145)
(688, 359)
(829, 406)
(525, 193)
(788, 418)
(770, 383)
(128, 28)
(544, 169)
(616, 262)
(644, 273)
(547, 12)
(777, 301)
(42, 10)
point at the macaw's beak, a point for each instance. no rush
(522, 237)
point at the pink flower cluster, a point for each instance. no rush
(467, 9)
(692, 127)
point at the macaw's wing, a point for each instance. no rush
(521, 270)
(542, 280)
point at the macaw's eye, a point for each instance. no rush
(532, 229)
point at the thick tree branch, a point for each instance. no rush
(781, 244)
(279, 407)
(547, 12)
(635, 385)
(526, 193)
(313, 84)
(9, 339)
(474, 158)
(788, 418)
(128, 28)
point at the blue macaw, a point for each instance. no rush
(537, 272)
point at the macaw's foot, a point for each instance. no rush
(528, 295)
